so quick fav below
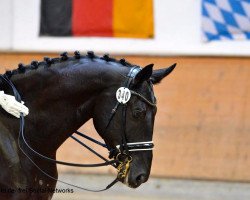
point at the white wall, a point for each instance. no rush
(177, 32)
(6, 13)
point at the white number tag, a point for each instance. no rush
(123, 95)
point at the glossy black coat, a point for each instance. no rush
(62, 94)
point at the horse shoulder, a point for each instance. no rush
(10, 165)
(8, 146)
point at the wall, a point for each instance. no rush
(6, 24)
(177, 32)
(202, 124)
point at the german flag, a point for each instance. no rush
(104, 18)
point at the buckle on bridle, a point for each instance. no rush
(124, 161)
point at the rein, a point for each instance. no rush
(120, 154)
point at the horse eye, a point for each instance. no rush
(139, 113)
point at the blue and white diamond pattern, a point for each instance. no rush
(225, 20)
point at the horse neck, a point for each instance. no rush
(59, 101)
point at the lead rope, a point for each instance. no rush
(21, 133)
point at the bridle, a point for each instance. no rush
(120, 154)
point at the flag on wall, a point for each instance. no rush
(225, 19)
(107, 18)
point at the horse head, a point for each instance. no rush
(134, 125)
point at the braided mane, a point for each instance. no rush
(47, 62)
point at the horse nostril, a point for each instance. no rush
(141, 179)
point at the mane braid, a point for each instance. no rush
(77, 54)
(22, 69)
(91, 54)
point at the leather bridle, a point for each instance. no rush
(120, 154)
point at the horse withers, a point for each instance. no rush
(62, 94)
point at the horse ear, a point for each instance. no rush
(144, 74)
(159, 74)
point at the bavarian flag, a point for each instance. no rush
(105, 18)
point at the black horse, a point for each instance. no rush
(62, 94)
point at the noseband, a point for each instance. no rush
(120, 153)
